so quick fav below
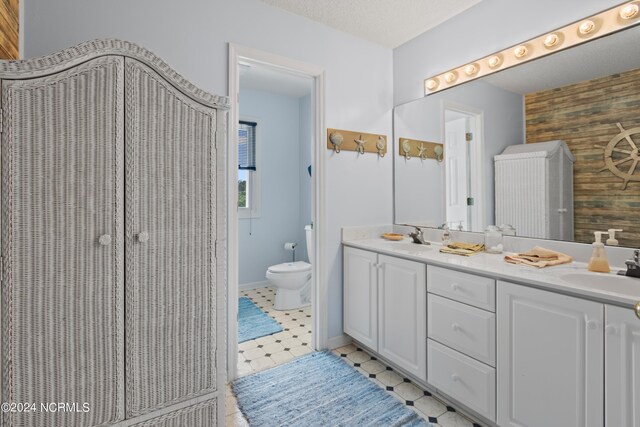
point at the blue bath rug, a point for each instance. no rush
(253, 322)
(318, 389)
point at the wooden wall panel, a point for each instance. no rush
(9, 27)
(585, 115)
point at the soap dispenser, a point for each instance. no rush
(612, 241)
(599, 262)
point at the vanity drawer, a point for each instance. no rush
(467, 329)
(468, 288)
(466, 380)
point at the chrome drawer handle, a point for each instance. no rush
(143, 236)
(104, 240)
(592, 324)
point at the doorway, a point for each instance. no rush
(247, 203)
(464, 170)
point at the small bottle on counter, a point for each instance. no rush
(493, 240)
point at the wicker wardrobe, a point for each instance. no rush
(113, 241)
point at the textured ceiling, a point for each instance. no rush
(389, 23)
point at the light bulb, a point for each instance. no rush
(432, 84)
(629, 11)
(520, 51)
(551, 40)
(450, 77)
(494, 61)
(586, 27)
(470, 69)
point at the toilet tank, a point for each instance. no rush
(308, 230)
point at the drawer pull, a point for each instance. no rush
(105, 240)
(637, 309)
(455, 378)
(455, 327)
(592, 324)
(455, 287)
(610, 330)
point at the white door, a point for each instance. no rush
(361, 296)
(457, 167)
(402, 314)
(622, 368)
(550, 359)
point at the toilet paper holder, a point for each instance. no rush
(291, 246)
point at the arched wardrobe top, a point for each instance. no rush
(73, 56)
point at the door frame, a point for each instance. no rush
(476, 156)
(319, 313)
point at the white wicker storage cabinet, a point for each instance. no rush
(113, 241)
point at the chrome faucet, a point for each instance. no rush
(633, 265)
(418, 237)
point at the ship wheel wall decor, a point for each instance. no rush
(621, 151)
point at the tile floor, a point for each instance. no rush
(294, 341)
(271, 350)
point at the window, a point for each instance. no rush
(248, 197)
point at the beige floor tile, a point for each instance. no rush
(268, 339)
(291, 343)
(429, 406)
(299, 331)
(389, 378)
(453, 419)
(273, 348)
(282, 357)
(262, 363)
(254, 353)
(244, 369)
(301, 351)
(408, 391)
(247, 345)
(282, 335)
(373, 367)
(358, 357)
(231, 405)
(350, 348)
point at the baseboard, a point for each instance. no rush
(339, 341)
(253, 285)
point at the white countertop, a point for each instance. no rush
(619, 290)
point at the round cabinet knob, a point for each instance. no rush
(104, 240)
(592, 324)
(610, 330)
(143, 236)
(455, 327)
(455, 378)
(637, 309)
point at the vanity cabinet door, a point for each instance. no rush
(622, 368)
(402, 314)
(550, 359)
(361, 296)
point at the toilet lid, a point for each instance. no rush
(290, 267)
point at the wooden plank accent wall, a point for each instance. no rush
(585, 115)
(9, 27)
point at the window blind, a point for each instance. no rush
(247, 145)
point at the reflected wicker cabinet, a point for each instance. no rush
(113, 241)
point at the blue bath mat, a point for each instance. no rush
(318, 389)
(253, 322)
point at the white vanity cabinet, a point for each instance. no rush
(622, 367)
(550, 359)
(385, 307)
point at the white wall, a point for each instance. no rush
(261, 239)
(419, 185)
(193, 36)
(487, 27)
(306, 135)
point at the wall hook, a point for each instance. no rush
(437, 150)
(380, 144)
(406, 149)
(422, 152)
(360, 142)
(336, 139)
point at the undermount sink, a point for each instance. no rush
(605, 282)
(410, 247)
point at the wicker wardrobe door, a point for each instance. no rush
(62, 246)
(170, 243)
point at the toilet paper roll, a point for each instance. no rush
(289, 246)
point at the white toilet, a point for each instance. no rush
(292, 280)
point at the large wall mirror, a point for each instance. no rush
(551, 147)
